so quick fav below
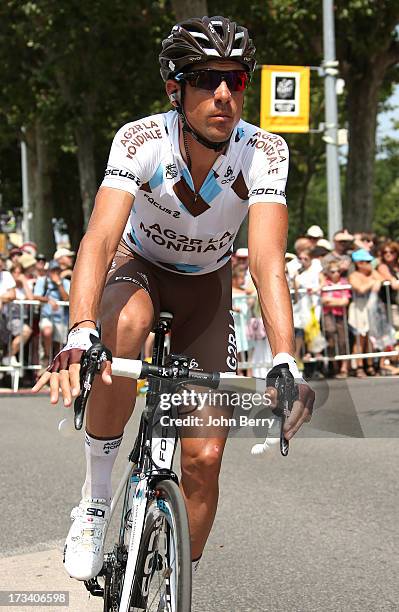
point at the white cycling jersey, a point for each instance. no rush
(170, 224)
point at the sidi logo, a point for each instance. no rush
(95, 512)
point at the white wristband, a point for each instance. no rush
(287, 358)
(79, 338)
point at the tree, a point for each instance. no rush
(83, 70)
(287, 32)
(24, 104)
(386, 190)
(184, 9)
(367, 47)
(290, 32)
(72, 73)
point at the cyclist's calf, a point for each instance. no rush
(200, 467)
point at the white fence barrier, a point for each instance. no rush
(32, 337)
(366, 328)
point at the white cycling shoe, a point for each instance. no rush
(84, 546)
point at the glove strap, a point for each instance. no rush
(281, 358)
(84, 321)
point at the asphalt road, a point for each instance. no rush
(317, 531)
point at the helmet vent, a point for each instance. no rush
(202, 38)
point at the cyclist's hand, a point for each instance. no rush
(302, 409)
(303, 405)
(64, 371)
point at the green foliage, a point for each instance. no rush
(68, 63)
(386, 191)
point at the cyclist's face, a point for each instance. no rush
(214, 113)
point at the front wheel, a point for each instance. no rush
(162, 580)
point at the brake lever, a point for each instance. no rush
(89, 367)
(286, 395)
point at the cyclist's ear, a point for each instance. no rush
(174, 92)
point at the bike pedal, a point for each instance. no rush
(94, 588)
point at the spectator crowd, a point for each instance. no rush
(37, 329)
(345, 303)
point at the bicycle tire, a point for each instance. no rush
(115, 576)
(167, 508)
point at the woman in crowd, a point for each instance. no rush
(365, 281)
(307, 295)
(365, 240)
(18, 322)
(335, 303)
(242, 305)
(7, 295)
(41, 265)
(49, 290)
(388, 268)
(259, 352)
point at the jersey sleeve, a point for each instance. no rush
(268, 171)
(134, 153)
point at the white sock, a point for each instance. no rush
(100, 459)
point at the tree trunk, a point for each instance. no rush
(40, 167)
(87, 173)
(84, 137)
(362, 119)
(184, 9)
(304, 193)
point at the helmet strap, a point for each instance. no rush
(188, 156)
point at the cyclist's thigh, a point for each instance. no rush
(203, 329)
(203, 325)
(129, 305)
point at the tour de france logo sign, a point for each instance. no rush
(285, 98)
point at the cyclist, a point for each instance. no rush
(176, 189)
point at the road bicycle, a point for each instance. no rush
(149, 568)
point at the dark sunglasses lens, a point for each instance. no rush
(236, 80)
(243, 81)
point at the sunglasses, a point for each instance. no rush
(389, 252)
(236, 80)
(334, 271)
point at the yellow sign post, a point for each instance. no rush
(284, 100)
